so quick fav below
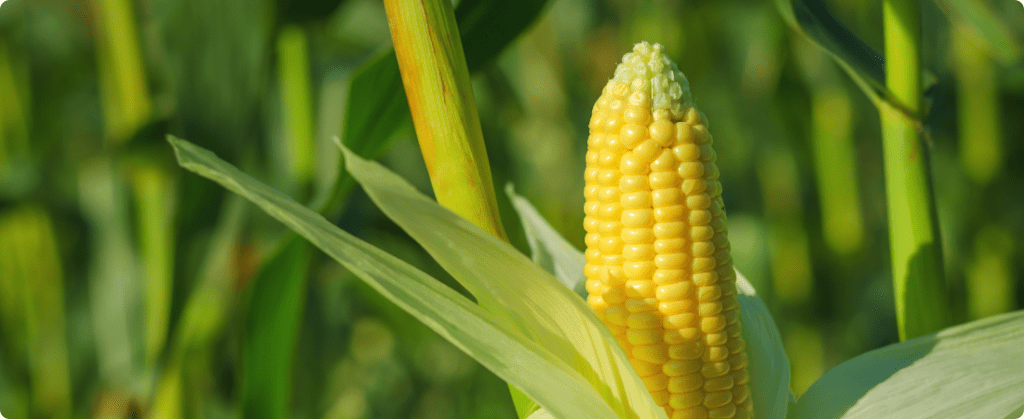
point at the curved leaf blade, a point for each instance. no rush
(994, 34)
(971, 370)
(516, 290)
(550, 250)
(480, 334)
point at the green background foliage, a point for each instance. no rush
(130, 287)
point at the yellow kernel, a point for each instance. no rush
(704, 264)
(696, 412)
(594, 287)
(632, 135)
(669, 245)
(694, 186)
(715, 354)
(735, 345)
(705, 278)
(612, 123)
(675, 291)
(665, 161)
(611, 245)
(740, 377)
(635, 200)
(593, 270)
(691, 350)
(591, 208)
(739, 393)
(727, 411)
(663, 179)
(634, 183)
(697, 202)
(669, 214)
(650, 320)
(702, 249)
(666, 197)
(709, 294)
(631, 164)
(650, 338)
(683, 400)
(717, 399)
(731, 316)
(701, 233)
(591, 224)
(663, 132)
(722, 257)
(686, 383)
(719, 384)
(637, 235)
(610, 211)
(636, 115)
(638, 269)
(612, 276)
(615, 296)
(686, 152)
(679, 321)
(681, 336)
(668, 276)
(734, 331)
(712, 324)
(714, 369)
(614, 143)
(691, 170)
(739, 361)
(711, 173)
(669, 308)
(592, 239)
(699, 217)
(684, 133)
(608, 228)
(660, 397)
(709, 309)
(644, 368)
(615, 314)
(641, 305)
(711, 339)
(671, 260)
(720, 240)
(609, 193)
(657, 382)
(638, 252)
(678, 367)
(669, 230)
(648, 151)
(592, 255)
(638, 218)
(643, 288)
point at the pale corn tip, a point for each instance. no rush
(658, 268)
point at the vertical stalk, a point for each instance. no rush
(296, 102)
(123, 88)
(918, 280)
(154, 202)
(437, 84)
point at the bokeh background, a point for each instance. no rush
(127, 284)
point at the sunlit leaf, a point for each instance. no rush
(512, 356)
(973, 370)
(550, 250)
(517, 291)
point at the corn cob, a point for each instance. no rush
(658, 270)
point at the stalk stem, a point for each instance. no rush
(918, 279)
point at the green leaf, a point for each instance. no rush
(483, 335)
(272, 330)
(769, 365)
(377, 107)
(517, 291)
(992, 31)
(550, 250)
(972, 370)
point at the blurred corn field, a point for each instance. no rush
(130, 288)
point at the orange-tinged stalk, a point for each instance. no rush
(658, 267)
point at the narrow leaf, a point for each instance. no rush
(509, 285)
(550, 250)
(272, 330)
(972, 370)
(992, 31)
(480, 334)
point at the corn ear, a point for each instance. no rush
(658, 268)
